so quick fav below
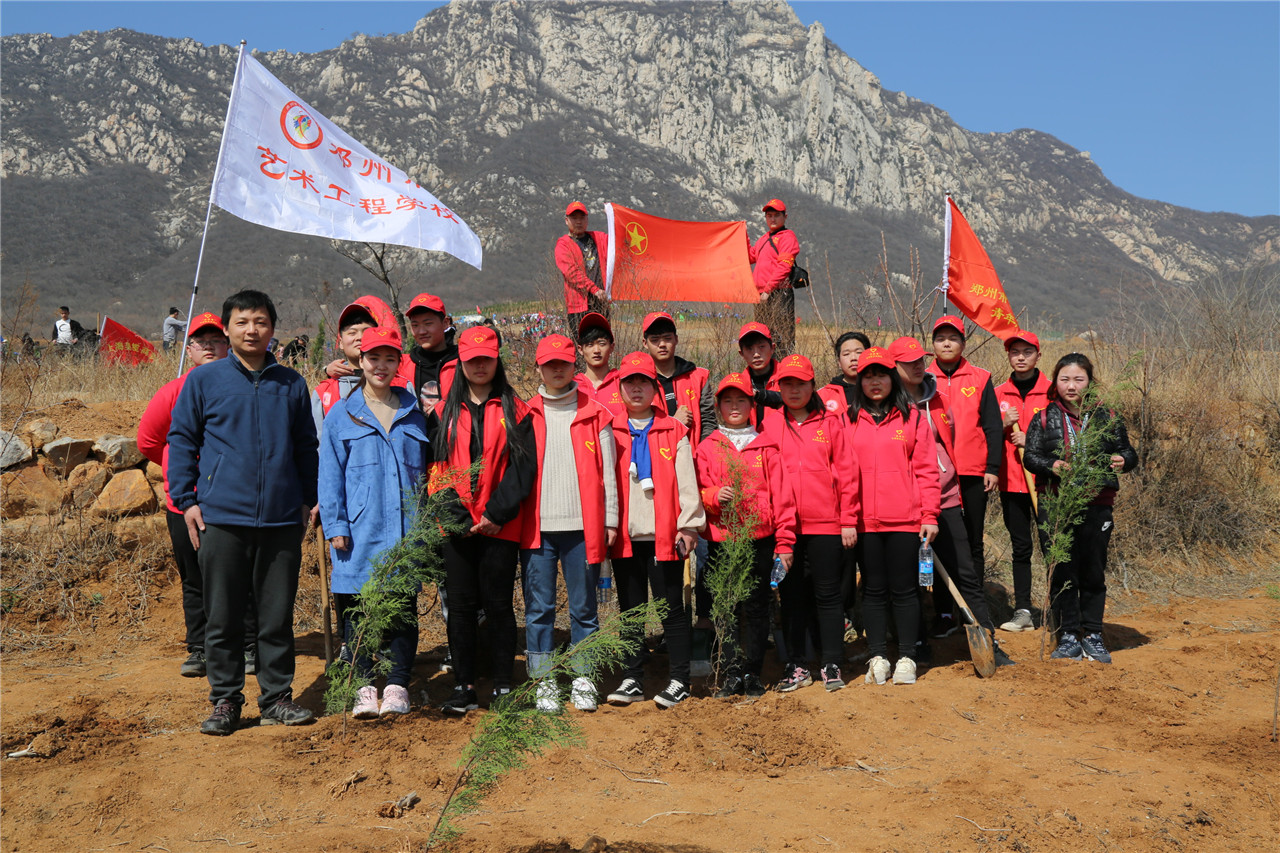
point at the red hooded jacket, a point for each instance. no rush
(898, 471)
(772, 269)
(820, 467)
(153, 429)
(664, 438)
(765, 479)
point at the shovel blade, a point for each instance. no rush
(981, 650)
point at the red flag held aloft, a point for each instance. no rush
(972, 283)
(122, 345)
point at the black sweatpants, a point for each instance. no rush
(973, 497)
(812, 590)
(480, 572)
(752, 614)
(400, 640)
(193, 587)
(890, 570)
(237, 563)
(1018, 520)
(666, 579)
(1078, 588)
(951, 548)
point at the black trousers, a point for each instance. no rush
(480, 571)
(666, 579)
(400, 639)
(240, 564)
(1018, 520)
(193, 587)
(951, 547)
(778, 312)
(1078, 587)
(811, 591)
(890, 571)
(973, 497)
(744, 648)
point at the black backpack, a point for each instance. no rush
(799, 275)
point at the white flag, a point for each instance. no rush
(284, 165)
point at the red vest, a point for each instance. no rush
(609, 394)
(963, 393)
(765, 480)
(1012, 478)
(664, 437)
(944, 429)
(584, 432)
(453, 472)
(688, 388)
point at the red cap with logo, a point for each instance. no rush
(594, 320)
(1025, 337)
(794, 366)
(357, 307)
(874, 356)
(477, 342)
(381, 337)
(637, 364)
(906, 349)
(653, 317)
(754, 328)
(774, 204)
(949, 320)
(740, 381)
(426, 301)
(555, 348)
(575, 207)
(207, 320)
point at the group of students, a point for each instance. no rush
(639, 465)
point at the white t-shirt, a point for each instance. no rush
(64, 330)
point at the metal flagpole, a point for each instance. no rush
(195, 285)
(946, 254)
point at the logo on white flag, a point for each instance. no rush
(298, 127)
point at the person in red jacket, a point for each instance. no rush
(1021, 398)
(599, 379)
(979, 438)
(898, 474)
(767, 496)
(820, 467)
(481, 420)
(774, 257)
(352, 322)
(581, 257)
(206, 342)
(570, 516)
(659, 515)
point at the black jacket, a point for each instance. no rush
(1046, 435)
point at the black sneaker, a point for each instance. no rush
(1069, 648)
(923, 654)
(1002, 659)
(831, 678)
(733, 686)
(630, 690)
(285, 712)
(251, 660)
(462, 700)
(193, 666)
(675, 693)
(753, 686)
(1095, 649)
(223, 721)
(944, 625)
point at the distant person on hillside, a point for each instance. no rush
(774, 257)
(66, 332)
(173, 326)
(581, 256)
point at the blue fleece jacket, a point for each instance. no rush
(248, 445)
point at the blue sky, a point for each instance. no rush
(1176, 101)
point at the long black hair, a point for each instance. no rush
(454, 401)
(897, 399)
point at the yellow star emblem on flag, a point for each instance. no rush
(637, 239)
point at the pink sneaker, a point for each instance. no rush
(395, 700)
(366, 707)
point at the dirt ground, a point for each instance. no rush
(1167, 749)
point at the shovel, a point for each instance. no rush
(981, 650)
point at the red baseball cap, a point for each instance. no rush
(381, 337)
(427, 301)
(353, 308)
(876, 355)
(949, 320)
(754, 328)
(774, 204)
(735, 380)
(477, 342)
(653, 317)
(637, 364)
(204, 321)
(594, 320)
(1025, 337)
(906, 349)
(575, 207)
(794, 366)
(555, 348)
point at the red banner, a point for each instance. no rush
(972, 283)
(670, 260)
(122, 345)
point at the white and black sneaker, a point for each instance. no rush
(675, 693)
(460, 701)
(628, 691)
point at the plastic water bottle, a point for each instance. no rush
(779, 572)
(604, 586)
(926, 563)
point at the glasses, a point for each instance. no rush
(211, 344)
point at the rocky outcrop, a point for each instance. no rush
(127, 493)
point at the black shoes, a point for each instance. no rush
(462, 700)
(223, 720)
(286, 712)
(193, 666)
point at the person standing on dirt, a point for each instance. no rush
(242, 430)
(206, 343)
(774, 258)
(581, 257)
(173, 327)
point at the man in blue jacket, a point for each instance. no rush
(242, 469)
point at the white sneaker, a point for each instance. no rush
(904, 672)
(1021, 621)
(366, 707)
(583, 694)
(395, 700)
(548, 697)
(877, 670)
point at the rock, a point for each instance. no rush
(158, 488)
(40, 432)
(137, 532)
(28, 490)
(155, 473)
(117, 451)
(87, 482)
(14, 450)
(66, 453)
(128, 493)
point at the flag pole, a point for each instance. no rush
(608, 267)
(195, 285)
(946, 254)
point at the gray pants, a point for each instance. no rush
(778, 312)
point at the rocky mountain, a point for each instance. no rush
(508, 111)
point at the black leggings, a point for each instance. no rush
(812, 588)
(480, 571)
(973, 497)
(666, 579)
(890, 568)
(1078, 588)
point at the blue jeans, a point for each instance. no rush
(570, 550)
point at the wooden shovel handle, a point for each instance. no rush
(325, 604)
(1030, 478)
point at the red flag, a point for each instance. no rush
(670, 260)
(972, 283)
(122, 345)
